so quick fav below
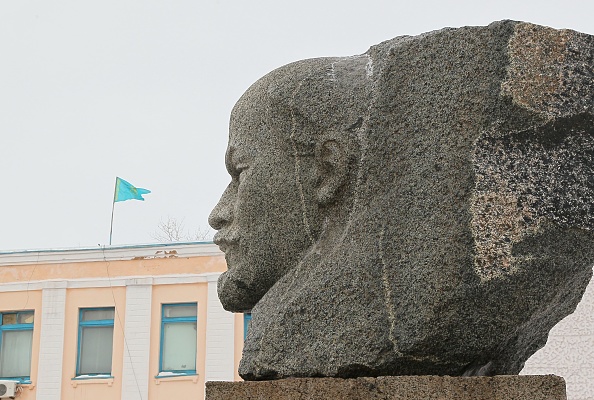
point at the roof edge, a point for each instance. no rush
(109, 253)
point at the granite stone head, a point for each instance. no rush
(292, 156)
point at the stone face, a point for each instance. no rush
(425, 208)
(394, 388)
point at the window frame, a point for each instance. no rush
(17, 327)
(94, 323)
(170, 320)
(247, 318)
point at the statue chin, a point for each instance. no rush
(235, 295)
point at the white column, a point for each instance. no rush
(53, 311)
(137, 325)
(219, 337)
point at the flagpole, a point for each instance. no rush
(112, 208)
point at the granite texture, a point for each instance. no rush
(548, 387)
(422, 209)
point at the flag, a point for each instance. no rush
(126, 191)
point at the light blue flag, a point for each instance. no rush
(126, 191)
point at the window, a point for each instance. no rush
(178, 338)
(95, 341)
(16, 339)
(247, 317)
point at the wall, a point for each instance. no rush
(88, 298)
(185, 387)
(569, 352)
(26, 300)
(136, 280)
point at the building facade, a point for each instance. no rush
(132, 322)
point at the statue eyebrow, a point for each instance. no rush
(235, 160)
(229, 159)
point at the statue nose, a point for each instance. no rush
(222, 213)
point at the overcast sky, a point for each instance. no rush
(91, 90)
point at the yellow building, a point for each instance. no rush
(132, 322)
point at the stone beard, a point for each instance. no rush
(424, 208)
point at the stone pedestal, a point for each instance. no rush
(509, 387)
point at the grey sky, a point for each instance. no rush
(143, 90)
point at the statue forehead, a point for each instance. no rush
(262, 103)
(303, 100)
(258, 120)
(259, 129)
(319, 87)
(266, 114)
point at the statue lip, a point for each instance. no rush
(224, 242)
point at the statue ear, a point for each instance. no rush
(332, 164)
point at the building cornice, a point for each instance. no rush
(107, 282)
(109, 253)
